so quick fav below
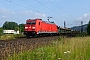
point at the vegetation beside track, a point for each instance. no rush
(76, 48)
(10, 36)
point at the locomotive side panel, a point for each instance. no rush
(42, 27)
(48, 28)
(54, 28)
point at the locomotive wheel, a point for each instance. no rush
(27, 36)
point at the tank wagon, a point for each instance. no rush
(34, 27)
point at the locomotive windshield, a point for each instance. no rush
(31, 22)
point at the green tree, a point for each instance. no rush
(21, 27)
(88, 28)
(1, 30)
(10, 25)
(16, 28)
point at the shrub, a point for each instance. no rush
(88, 28)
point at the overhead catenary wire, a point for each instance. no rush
(35, 10)
(32, 6)
(45, 6)
(22, 6)
(50, 9)
(60, 6)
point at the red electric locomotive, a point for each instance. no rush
(34, 27)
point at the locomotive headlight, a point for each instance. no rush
(33, 27)
(26, 27)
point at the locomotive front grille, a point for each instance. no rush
(31, 33)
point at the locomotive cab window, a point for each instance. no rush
(39, 23)
(32, 22)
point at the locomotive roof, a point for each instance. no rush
(34, 19)
(43, 21)
(49, 22)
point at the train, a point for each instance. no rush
(38, 27)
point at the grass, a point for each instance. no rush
(77, 48)
(10, 36)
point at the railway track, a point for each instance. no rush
(7, 48)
